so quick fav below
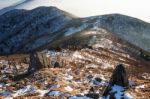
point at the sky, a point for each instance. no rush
(84, 8)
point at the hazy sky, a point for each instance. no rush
(135, 8)
(84, 8)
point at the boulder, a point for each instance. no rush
(93, 95)
(38, 60)
(119, 77)
(56, 65)
(35, 62)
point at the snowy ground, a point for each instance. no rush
(66, 83)
(84, 69)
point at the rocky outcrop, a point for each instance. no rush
(119, 77)
(38, 61)
(35, 62)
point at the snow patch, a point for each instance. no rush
(128, 96)
(68, 77)
(146, 76)
(54, 93)
(68, 88)
(98, 80)
(42, 92)
(119, 90)
(26, 90)
(91, 66)
(119, 93)
(5, 93)
(54, 87)
(2, 84)
(141, 86)
(76, 54)
(79, 97)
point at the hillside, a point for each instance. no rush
(23, 31)
(79, 71)
(81, 55)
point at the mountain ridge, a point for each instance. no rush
(76, 56)
(23, 31)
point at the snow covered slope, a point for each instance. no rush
(9, 5)
(22, 30)
(132, 30)
(44, 27)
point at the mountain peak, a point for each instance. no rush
(31, 29)
(21, 27)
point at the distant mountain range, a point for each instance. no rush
(8, 5)
(22, 31)
(14, 6)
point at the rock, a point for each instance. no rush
(119, 76)
(56, 65)
(98, 79)
(93, 95)
(89, 77)
(106, 91)
(35, 62)
(92, 90)
(38, 60)
(77, 72)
